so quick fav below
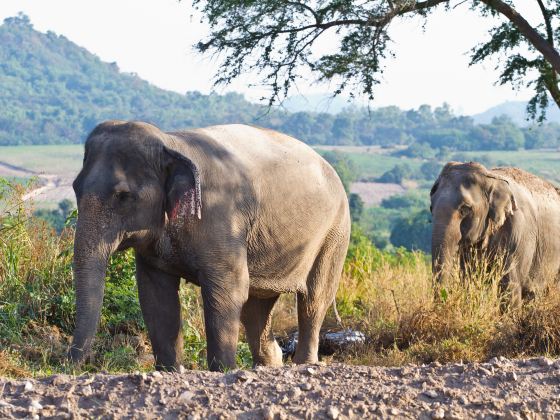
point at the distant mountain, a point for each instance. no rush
(516, 110)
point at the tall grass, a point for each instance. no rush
(408, 318)
(388, 296)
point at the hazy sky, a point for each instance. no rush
(154, 39)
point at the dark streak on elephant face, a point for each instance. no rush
(130, 180)
(468, 204)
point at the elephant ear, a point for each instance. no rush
(183, 196)
(502, 202)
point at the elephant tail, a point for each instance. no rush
(336, 315)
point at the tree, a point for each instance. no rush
(414, 232)
(343, 166)
(276, 38)
(356, 206)
(430, 170)
(396, 175)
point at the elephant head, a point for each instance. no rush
(131, 182)
(469, 204)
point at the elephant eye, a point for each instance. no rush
(465, 209)
(123, 196)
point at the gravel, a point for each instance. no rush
(501, 388)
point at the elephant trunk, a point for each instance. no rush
(446, 234)
(91, 253)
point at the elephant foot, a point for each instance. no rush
(271, 356)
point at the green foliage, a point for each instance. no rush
(417, 150)
(431, 169)
(121, 309)
(413, 232)
(405, 201)
(56, 218)
(343, 166)
(356, 207)
(277, 39)
(396, 175)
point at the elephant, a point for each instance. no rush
(245, 213)
(503, 210)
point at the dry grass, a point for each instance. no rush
(409, 320)
(390, 297)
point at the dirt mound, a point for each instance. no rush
(502, 387)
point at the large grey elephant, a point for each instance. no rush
(245, 213)
(503, 210)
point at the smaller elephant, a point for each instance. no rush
(503, 210)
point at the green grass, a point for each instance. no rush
(52, 159)
(372, 164)
(542, 163)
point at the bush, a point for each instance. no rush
(396, 175)
(37, 297)
(413, 232)
(405, 201)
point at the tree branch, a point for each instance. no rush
(547, 50)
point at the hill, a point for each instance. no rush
(516, 111)
(54, 92)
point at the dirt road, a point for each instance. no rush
(521, 389)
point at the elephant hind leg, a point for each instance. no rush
(256, 316)
(312, 305)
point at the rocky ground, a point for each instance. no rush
(502, 388)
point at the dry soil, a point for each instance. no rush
(501, 388)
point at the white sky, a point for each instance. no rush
(154, 39)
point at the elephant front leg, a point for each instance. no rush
(159, 301)
(223, 297)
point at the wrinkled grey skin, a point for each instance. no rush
(245, 213)
(503, 210)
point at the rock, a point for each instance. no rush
(438, 413)
(306, 386)
(431, 393)
(58, 380)
(5, 404)
(268, 413)
(244, 376)
(512, 376)
(394, 411)
(310, 371)
(544, 361)
(484, 371)
(182, 369)
(87, 391)
(333, 412)
(28, 386)
(295, 392)
(186, 397)
(156, 375)
(463, 399)
(35, 405)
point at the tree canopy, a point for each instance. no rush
(276, 38)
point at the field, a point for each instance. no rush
(56, 166)
(59, 159)
(373, 161)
